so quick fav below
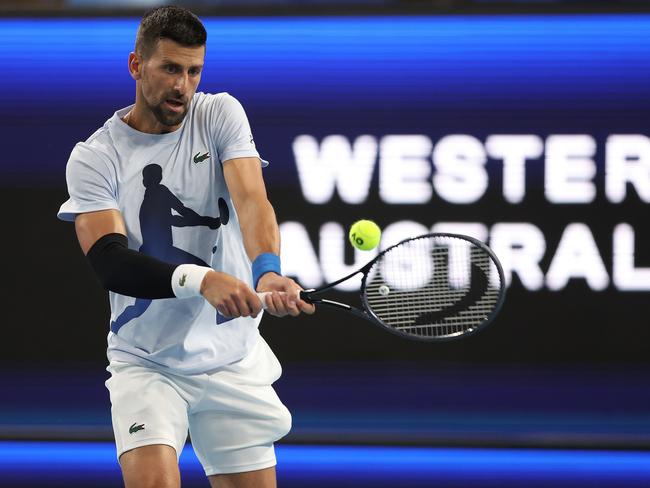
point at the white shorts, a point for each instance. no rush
(233, 414)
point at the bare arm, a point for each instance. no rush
(92, 226)
(260, 232)
(256, 215)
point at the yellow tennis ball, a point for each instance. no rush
(364, 235)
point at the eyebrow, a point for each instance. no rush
(175, 63)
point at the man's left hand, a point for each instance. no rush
(284, 297)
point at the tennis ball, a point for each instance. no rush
(364, 235)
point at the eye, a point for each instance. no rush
(195, 71)
(170, 68)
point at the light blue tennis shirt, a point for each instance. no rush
(172, 194)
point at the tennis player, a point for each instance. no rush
(170, 209)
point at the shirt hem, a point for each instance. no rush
(70, 215)
(120, 355)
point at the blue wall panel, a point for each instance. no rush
(387, 75)
(62, 78)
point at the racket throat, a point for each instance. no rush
(332, 303)
(344, 306)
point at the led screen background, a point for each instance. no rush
(526, 131)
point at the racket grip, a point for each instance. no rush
(262, 297)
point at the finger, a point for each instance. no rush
(223, 310)
(255, 304)
(288, 286)
(300, 304)
(242, 305)
(291, 305)
(308, 308)
(270, 303)
(281, 300)
(276, 307)
(233, 310)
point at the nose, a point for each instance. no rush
(181, 83)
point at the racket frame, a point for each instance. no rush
(310, 296)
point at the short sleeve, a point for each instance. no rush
(233, 135)
(90, 184)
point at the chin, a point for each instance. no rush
(169, 119)
(173, 121)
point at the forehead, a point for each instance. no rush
(171, 51)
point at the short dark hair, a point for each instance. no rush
(170, 22)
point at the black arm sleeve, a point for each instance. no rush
(127, 272)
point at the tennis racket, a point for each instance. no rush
(433, 287)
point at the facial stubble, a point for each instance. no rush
(164, 116)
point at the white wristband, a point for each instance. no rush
(187, 279)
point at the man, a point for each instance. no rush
(170, 209)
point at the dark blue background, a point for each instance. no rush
(353, 75)
(564, 369)
(429, 75)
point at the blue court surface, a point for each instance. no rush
(93, 464)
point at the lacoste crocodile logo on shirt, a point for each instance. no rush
(199, 158)
(181, 280)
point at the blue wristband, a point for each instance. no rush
(265, 263)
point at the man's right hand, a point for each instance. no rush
(230, 296)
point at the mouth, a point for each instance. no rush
(174, 104)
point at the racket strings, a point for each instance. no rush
(436, 286)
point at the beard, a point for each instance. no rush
(165, 116)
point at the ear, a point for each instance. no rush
(135, 66)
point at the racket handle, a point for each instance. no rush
(262, 297)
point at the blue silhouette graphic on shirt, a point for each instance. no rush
(156, 222)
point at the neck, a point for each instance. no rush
(141, 119)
